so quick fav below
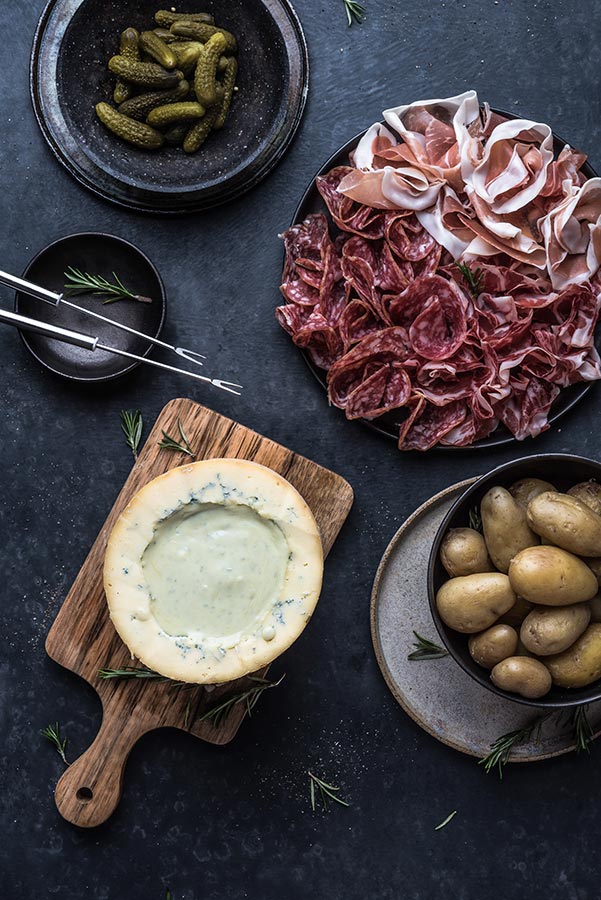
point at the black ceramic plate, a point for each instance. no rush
(73, 43)
(99, 254)
(561, 469)
(389, 423)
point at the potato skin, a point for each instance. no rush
(518, 612)
(595, 566)
(506, 530)
(549, 576)
(472, 603)
(526, 489)
(566, 522)
(463, 552)
(595, 605)
(552, 629)
(522, 675)
(493, 645)
(589, 493)
(581, 663)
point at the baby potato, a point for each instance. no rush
(549, 576)
(595, 565)
(472, 603)
(552, 629)
(463, 552)
(522, 675)
(589, 492)
(581, 663)
(567, 522)
(526, 489)
(506, 530)
(491, 646)
(518, 612)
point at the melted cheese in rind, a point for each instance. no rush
(196, 657)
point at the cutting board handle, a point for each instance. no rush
(90, 789)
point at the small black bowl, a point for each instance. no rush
(561, 469)
(98, 254)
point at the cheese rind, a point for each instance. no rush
(214, 523)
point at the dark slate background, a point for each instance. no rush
(235, 822)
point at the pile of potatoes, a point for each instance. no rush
(527, 589)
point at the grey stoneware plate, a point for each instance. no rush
(68, 76)
(389, 423)
(438, 694)
(99, 254)
(563, 470)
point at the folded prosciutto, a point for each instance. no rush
(455, 284)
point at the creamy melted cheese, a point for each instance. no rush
(214, 569)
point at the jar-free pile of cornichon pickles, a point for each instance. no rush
(174, 83)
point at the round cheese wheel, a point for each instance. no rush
(213, 570)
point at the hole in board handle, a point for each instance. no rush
(84, 794)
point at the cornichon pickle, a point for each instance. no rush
(139, 107)
(222, 64)
(166, 17)
(199, 132)
(128, 47)
(175, 135)
(229, 81)
(187, 54)
(144, 73)
(154, 46)
(165, 35)
(164, 116)
(206, 69)
(137, 133)
(198, 31)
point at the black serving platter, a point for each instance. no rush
(561, 469)
(389, 424)
(99, 254)
(68, 76)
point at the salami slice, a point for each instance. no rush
(433, 424)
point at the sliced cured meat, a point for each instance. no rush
(525, 412)
(387, 388)
(432, 424)
(356, 322)
(439, 330)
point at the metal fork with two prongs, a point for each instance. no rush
(90, 342)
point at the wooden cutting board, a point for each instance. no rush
(83, 639)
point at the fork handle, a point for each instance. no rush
(53, 331)
(27, 287)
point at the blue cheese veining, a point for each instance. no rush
(213, 570)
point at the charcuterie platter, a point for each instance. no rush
(442, 321)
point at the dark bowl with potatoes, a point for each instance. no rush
(514, 577)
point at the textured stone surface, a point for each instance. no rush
(235, 822)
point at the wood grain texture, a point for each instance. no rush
(84, 640)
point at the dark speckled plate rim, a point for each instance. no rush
(575, 392)
(455, 491)
(227, 195)
(127, 367)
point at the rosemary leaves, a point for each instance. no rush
(473, 277)
(326, 792)
(355, 12)
(446, 821)
(219, 713)
(426, 649)
(52, 734)
(78, 282)
(171, 443)
(131, 426)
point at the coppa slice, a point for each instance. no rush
(213, 570)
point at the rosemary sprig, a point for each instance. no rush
(355, 12)
(583, 731)
(475, 519)
(473, 277)
(130, 672)
(218, 714)
(78, 282)
(131, 426)
(500, 749)
(52, 733)
(170, 443)
(426, 649)
(326, 792)
(446, 821)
